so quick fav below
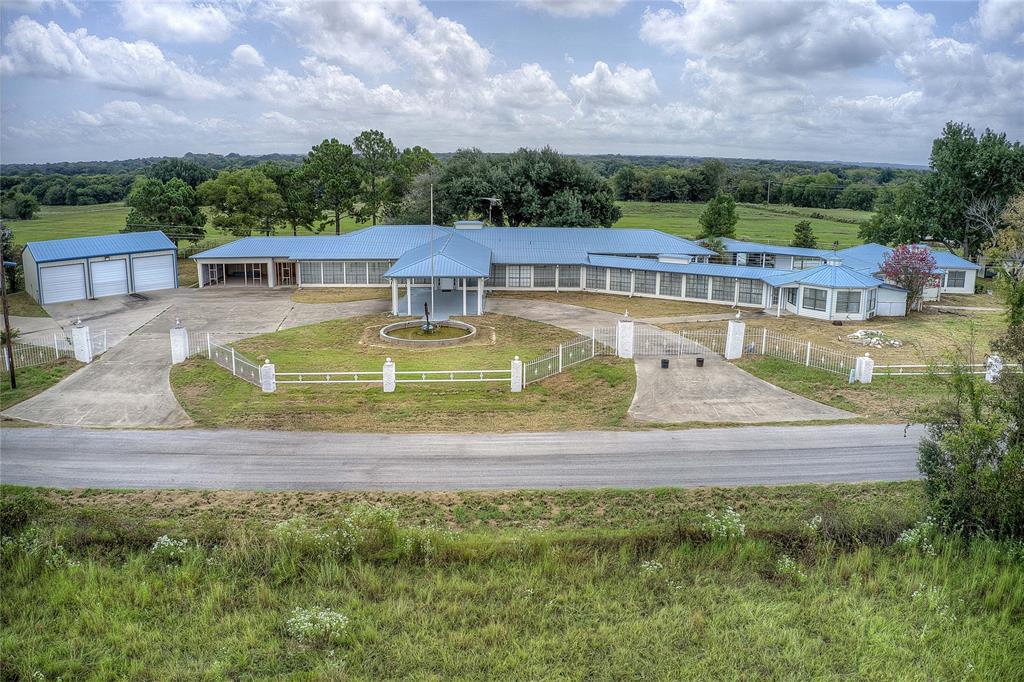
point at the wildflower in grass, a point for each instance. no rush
(919, 537)
(651, 567)
(317, 625)
(934, 600)
(787, 567)
(813, 524)
(169, 548)
(725, 525)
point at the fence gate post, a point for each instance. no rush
(734, 339)
(517, 375)
(233, 361)
(593, 342)
(268, 376)
(807, 360)
(624, 337)
(179, 343)
(209, 346)
(81, 341)
(865, 369)
(559, 358)
(389, 376)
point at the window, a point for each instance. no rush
(791, 296)
(377, 270)
(769, 260)
(872, 300)
(355, 272)
(569, 276)
(814, 299)
(597, 278)
(334, 272)
(723, 288)
(956, 279)
(497, 276)
(518, 275)
(671, 284)
(543, 275)
(804, 262)
(646, 282)
(697, 286)
(751, 291)
(310, 272)
(618, 279)
(847, 301)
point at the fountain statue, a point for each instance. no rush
(427, 326)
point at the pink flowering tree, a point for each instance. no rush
(911, 268)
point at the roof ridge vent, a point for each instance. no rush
(469, 224)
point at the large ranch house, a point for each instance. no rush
(455, 267)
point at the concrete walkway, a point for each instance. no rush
(280, 460)
(717, 392)
(129, 385)
(32, 325)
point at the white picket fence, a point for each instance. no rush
(761, 341)
(933, 370)
(36, 349)
(579, 349)
(216, 348)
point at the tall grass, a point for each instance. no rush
(89, 593)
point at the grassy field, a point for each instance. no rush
(331, 295)
(33, 380)
(515, 585)
(772, 224)
(21, 304)
(592, 395)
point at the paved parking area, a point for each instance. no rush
(129, 385)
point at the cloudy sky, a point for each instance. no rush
(855, 80)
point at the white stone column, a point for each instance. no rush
(268, 376)
(734, 339)
(179, 343)
(865, 369)
(517, 375)
(394, 297)
(624, 337)
(479, 295)
(408, 296)
(389, 376)
(465, 309)
(199, 271)
(271, 274)
(81, 341)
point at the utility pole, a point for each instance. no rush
(7, 319)
(431, 252)
(769, 191)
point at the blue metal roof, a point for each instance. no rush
(710, 269)
(98, 246)
(869, 258)
(737, 246)
(451, 255)
(830, 276)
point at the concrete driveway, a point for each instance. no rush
(129, 385)
(717, 392)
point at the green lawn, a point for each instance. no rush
(33, 380)
(593, 395)
(769, 224)
(21, 304)
(85, 597)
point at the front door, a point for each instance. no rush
(285, 274)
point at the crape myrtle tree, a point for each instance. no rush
(911, 268)
(718, 219)
(803, 235)
(172, 207)
(243, 201)
(331, 166)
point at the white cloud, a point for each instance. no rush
(122, 114)
(998, 19)
(176, 20)
(789, 37)
(246, 55)
(625, 86)
(51, 52)
(577, 8)
(328, 87)
(528, 87)
(385, 37)
(33, 6)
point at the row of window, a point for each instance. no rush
(817, 299)
(343, 272)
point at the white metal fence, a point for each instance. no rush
(573, 352)
(216, 348)
(933, 370)
(775, 345)
(649, 340)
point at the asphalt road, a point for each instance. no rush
(261, 460)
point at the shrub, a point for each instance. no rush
(168, 548)
(17, 508)
(317, 625)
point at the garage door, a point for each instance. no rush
(109, 277)
(153, 272)
(62, 283)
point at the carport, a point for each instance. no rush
(92, 267)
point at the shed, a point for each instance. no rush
(106, 265)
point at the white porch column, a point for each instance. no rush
(271, 274)
(557, 277)
(199, 271)
(394, 297)
(782, 293)
(408, 296)
(479, 295)
(465, 310)
(632, 282)
(734, 339)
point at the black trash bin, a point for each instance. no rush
(700, 362)
(664, 363)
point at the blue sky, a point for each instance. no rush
(854, 80)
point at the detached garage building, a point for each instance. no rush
(92, 267)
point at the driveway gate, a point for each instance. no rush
(649, 340)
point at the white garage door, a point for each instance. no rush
(109, 277)
(153, 272)
(62, 283)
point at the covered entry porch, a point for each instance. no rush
(446, 297)
(246, 273)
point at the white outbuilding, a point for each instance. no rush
(92, 267)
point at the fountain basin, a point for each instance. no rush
(447, 333)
